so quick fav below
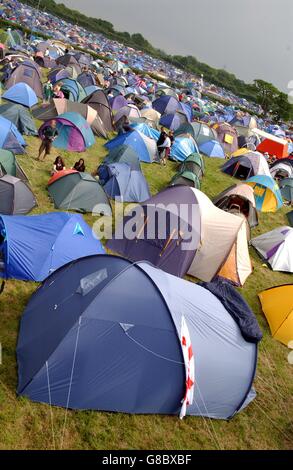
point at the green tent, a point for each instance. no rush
(186, 178)
(9, 165)
(193, 163)
(80, 192)
(286, 187)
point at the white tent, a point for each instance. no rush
(276, 247)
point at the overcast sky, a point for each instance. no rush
(251, 38)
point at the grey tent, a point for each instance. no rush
(15, 196)
(46, 112)
(80, 192)
(99, 101)
(123, 154)
(10, 166)
(20, 117)
(27, 72)
(198, 130)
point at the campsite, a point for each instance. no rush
(92, 328)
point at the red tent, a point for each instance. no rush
(272, 147)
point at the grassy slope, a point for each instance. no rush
(265, 424)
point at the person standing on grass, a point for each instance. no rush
(48, 91)
(50, 133)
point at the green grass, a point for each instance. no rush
(265, 424)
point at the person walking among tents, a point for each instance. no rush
(50, 133)
(164, 148)
(48, 91)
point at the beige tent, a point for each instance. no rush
(223, 248)
(199, 239)
(151, 115)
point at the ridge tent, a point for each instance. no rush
(80, 192)
(277, 305)
(247, 165)
(123, 154)
(20, 117)
(21, 93)
(198, 130)
(182, 147)
(267, 194)
(240, 198)
(75, 134)
(140, 340)
(178, 231)
(9, 164)
(60, 106)
(227, 136)
(212, 148)
(99, 101)
(276, 247)
(123, 183)
(15, 196)
(286, 188)
(144, 147)
(27, 72)
(10, 138)
(35, 246)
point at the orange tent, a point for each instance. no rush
(60, 174)
(272, 147)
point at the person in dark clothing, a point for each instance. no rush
(59, 165)
(79, 166)
(50, 133)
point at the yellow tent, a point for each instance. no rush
(277, 305)
(240, 152)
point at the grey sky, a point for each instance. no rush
(251, 38)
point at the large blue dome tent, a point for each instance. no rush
(32, 247)
(130, 338)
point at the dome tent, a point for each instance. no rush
(277, 305)
(75, 134)
(21, 93)
(235, 195)
(143, 362)
(247, 165)
(268, 197)
(190, 242)
(15, 196)
(10, 138)
(78, 191)
(122, 183)
(35, 246)
(276, 247)
(20, 117)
